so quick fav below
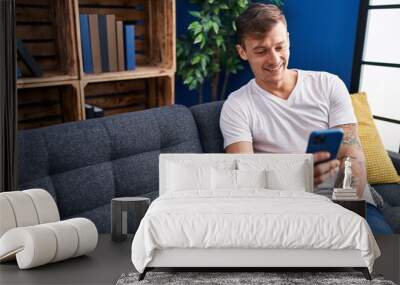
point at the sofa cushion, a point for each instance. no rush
(85, 164)
(84, 188)
(390, 193)
(132, 133)
(33, 163)
(137, 173)
(44, 183)
(76, 145)
(207, 120)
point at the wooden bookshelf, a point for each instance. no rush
(119, 96)
(50, 31)
(47, 29)
(54, 103)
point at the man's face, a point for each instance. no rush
(269, 56)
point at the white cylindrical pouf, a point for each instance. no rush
(23, 208)
(87, 234)
(67, 240)
(33, 246)
(7, 218)
(31, 232)
(26, 208)
(45, 205)
(37, 245)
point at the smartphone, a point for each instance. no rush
(325, 140)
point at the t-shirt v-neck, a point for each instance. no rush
(261, 91)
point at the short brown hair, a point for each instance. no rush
(257, 20)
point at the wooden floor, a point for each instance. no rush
(110, 259)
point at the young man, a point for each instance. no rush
(277, 110)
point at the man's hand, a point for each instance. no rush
(324, 170)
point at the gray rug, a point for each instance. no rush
(231, 278)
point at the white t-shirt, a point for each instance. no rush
(318, 101)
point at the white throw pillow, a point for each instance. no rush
(188, 177)
(227, 179)
(223, 179)
(291, 181)
(251, 178)
(281, 174)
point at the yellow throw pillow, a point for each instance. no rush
(380, 168)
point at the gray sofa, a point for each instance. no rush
(85, 164)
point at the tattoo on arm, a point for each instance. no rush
(350, 135)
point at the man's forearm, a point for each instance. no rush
(360, 177)
(351, 147)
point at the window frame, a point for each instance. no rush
(359, 50)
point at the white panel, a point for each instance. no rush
(382, 43)
(390, 134)
(256, 257)
(383, 88)
(383, 2)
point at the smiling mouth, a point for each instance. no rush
(273, 69)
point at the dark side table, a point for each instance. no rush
(357, 206)
(123, 207)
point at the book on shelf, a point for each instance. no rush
(93, 111)
(344, 191)
(129, 43)
(98, 112)
(107, 44)
(95, 42)
(89, 111)
(120, 45)
(344, 194)
(28, 59)
(334, 197)
(86, 43)
(112, 43)
(105, 66)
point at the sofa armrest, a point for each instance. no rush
(395, 157)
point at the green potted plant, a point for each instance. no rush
(207, 51)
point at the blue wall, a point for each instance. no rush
(322, 35)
